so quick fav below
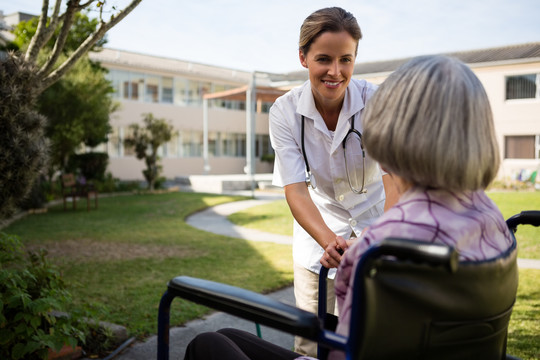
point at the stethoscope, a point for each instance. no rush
(352, 131)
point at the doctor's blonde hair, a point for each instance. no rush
(430, 123)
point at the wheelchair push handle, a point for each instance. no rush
(529, 217)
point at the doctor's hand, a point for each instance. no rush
(333, 252)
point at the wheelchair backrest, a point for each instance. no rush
(415, 309)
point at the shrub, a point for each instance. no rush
(99, 340)
(128, 186)
(37, 196)
(160, 183)
(23, 146)
(30, 290)
(91, 165)
(269, 158)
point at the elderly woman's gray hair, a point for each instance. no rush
(431, 124)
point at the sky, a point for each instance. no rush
(262, 35)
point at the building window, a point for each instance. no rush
(263, 146)
(191, 143)
(137, 87)
(213, 143)
(218, 103)
(114, 144)
(167, 90)
(522, 87)
(152, 89)
(180, 91)
(119, 80)
(265, 107)
(233, 145)
(171, 148)
(521, 147)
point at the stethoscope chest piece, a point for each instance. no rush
(309, 183)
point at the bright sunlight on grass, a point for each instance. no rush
(120, 257)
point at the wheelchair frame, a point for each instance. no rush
(269, 312)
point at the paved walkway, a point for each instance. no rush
(215, 220)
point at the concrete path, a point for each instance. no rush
(214, 220)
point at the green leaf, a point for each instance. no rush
(18, 351)
(21, 328)
(35, 322)
(20, 316)
(58, 344)
(32, 346)
(6, 336)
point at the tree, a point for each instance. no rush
(25, 75)
(146, 141)
(78, 105)
(78, 108)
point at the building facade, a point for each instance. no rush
(175, 90)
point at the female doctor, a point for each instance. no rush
(333, 188)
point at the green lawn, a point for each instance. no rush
(121, 256)
(524, 328)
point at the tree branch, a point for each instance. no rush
(43, 32)
(37, 40)
(86, 4)
(68, 17)
(50, 79)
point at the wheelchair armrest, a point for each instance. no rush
(246, 304)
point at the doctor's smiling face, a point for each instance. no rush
(330, 63)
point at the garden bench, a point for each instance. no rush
(73, 189)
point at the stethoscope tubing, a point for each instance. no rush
(352, 130)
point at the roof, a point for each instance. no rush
(489, 56)
(472, 57)
(162, 64)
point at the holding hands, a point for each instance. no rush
(334, 251)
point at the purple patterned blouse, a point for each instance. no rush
(469, 221)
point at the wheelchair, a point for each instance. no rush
(415, 300)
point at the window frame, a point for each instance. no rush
(516, 75)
